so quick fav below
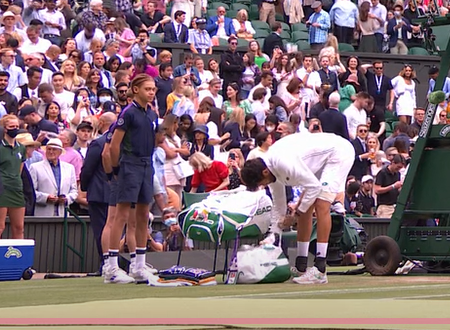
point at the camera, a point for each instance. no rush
(142, 40)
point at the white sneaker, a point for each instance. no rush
(140, 275)
(295, 272)
(312, 276)
(117, 275)
(150, 269)
(105, 269)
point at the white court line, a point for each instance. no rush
(333, 291)
(422, 297)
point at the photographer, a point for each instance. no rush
(140, 49)
(199, 39)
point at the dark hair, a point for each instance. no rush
(252, 173)
(277, 102)
(353, 188)
(261, 138)
(259, 94)
(398, 159)
(276, 26)
(111, 61)
(58, 73)
(179, 13)
(4, 74)
(48, 106)
(81, 55)
(188, 56)
(77, 93)
(255, 130)
(354, 57)
(45, 87)
(215, 117)
(120, 85)
(12, 42)
(190, 130)
(63, 47)
(230, 39)
(401, 127)
(32, 70)
(272, 119)
(164, 66)
(236, 87)
(125, 65)
(143, 31)
(35, 22)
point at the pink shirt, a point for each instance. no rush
(127, 34)
(73, 157)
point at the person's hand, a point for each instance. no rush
(389, 107)
(226, 135)
(365, 156)
(49, 23)
(315, 24)
(62, 199)
(398, 185)
(224, 145)
(372, 16)
(185, 145)
(41, 137)
(52, 199)
(220, 20)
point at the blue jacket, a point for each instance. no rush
(181, 71)
(212, 27)
(93, 179)
(393, 34)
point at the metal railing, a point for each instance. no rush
(67, 246)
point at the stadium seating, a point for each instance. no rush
(215, 5)
(299, 35)
(261, 25)
(343, 47)
(418, 51)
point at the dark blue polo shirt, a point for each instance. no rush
(164, 88)
(140, 126)
(43, 125)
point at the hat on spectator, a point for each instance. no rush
(105, 91)
(111, 20)
(316, 4)
(26, 110)
(202, 129)
(353, 78)
(85, 124)
(433, 70)
(7, 14)
(55, 143)
(26, 140)
(366, 178)
(109, 106)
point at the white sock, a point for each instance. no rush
(114, 258)
(322, 249)
(106, 259)
(302, 249)
(132, 259)
(140, 257)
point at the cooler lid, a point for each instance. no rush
(16, 242)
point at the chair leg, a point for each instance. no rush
(179, 257)
(225, 266)
(215, 256)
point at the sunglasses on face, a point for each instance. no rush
(122, 92)
(378, 68)
(362, 131)
(233, 43)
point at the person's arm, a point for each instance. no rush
(115, 148)
(382, 129)
(106, 161)
(193, 49)
(364, 67)
(225, 183)
(379, 190)
(77, 118)
(90, 164)
(170, 153)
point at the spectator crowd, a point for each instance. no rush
(65, 78)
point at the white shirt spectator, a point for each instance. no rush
(218, 100)
(84, 44)
(266, 99)
(247, 24)
(55, 17)
(20, 32)
(40, 47)
(259, 111)
(205, 77)
(313, 82)
(354, 117)
(65, 96)
(32, 93)
(16, 77)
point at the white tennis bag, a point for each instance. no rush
(259, 264)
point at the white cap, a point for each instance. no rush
(55, 143)
(366, 178)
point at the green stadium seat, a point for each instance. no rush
(285, 26)
(299, 35)
(215, 5)
(261, 25)
(156, 37)
(253, 13)
(418, 51)
(211, 12)
(242, 43)
(244, 2)
(303, 45)
(261, 42)
(260, 33)
(285, 35)
(231, 13)
(239, 6)
(192, 198)
(343, 47)
(279, 17)
(299, 27)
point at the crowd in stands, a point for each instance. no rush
(65, 76)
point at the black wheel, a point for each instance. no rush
(382, 256)
(27, 274)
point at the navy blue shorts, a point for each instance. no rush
(135, 181)
(113, 194)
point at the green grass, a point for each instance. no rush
(68, 291)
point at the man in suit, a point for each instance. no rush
(54, 182)
(94, 181)
(176, 32)
(362, 154)
(220, 25)
(231, 65)
(332, 120)
(51, 57)
(274, 40)
(397, 45)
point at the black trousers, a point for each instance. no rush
(98, 213)
(343, 34)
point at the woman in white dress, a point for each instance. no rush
(282, 71)
(174, 150)
(405, 92)
(205, 75)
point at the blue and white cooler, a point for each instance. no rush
(16, 259)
